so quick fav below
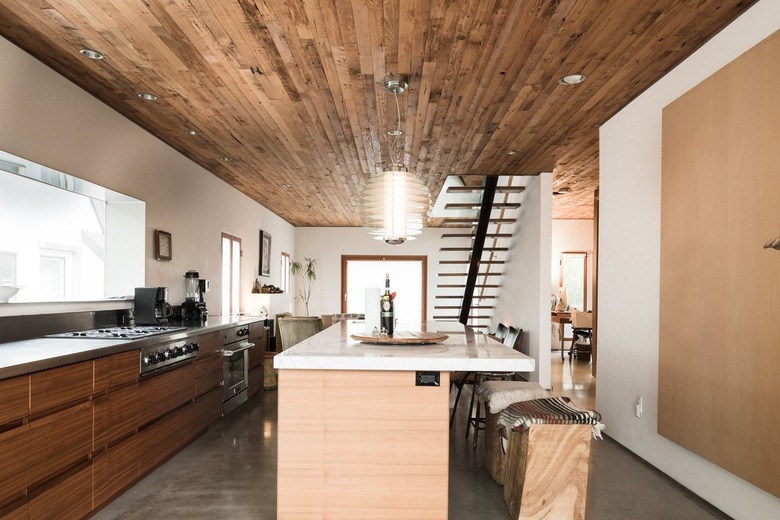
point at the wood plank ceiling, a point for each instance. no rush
(290, 92)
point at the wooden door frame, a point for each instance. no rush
(386, 258)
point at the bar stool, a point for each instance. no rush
(512, 339)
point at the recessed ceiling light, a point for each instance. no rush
(511, 152)
(287, 185)
(225, 159)
(395, 132)
(192, 132)
(572, 79)
(146, 96)
(91, 54)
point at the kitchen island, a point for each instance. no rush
(364, 429)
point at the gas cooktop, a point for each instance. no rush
(124, 332)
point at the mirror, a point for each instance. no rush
(66, 239)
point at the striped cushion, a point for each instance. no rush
(552, 410)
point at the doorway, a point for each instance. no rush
(408, 279)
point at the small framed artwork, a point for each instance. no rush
(265, 254)
(163, 248)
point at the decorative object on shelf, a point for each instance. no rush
(395, 203)
(163, 245)
(256, 286)
(265, 254)
(7, 291)
(270, 289)
(773, 244)
(308, 273)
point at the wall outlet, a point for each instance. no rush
(638, 406)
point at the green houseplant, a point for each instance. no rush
(306, 270)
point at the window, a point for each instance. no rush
(574, 276)
(284, 278)
(231, 274)
(7, 267)
(408, 279)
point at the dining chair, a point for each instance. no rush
(511, 340)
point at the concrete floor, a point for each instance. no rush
(230, 473)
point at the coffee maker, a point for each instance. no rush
(151, 305)
(194, 307)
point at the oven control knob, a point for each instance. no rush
(165, 355)
(150, 359)
(195, 347)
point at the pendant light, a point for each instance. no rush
(395, 203)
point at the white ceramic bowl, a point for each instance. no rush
(7, 292)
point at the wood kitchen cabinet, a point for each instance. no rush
(15, 399)
(258, 334)
(53, 388)
(68, 499)
(14, 467)
(208, 372)
(209, 343)
(72, 438)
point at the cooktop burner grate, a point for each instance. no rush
(123, 332)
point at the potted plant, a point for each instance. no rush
(308, 274)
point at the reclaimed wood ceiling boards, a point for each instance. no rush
(291, 91)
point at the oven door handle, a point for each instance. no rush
(242, 347)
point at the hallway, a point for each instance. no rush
(230, 473)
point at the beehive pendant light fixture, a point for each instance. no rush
(395, 203)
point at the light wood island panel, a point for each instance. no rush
(362, 445)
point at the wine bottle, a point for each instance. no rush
(387, 314)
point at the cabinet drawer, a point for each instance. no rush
(206, 410)
(209, 372)
(14, 399)
(163, 438)
(164, 392)
(20, 513)
(209, 343)
(116, 469)
(59, 440)
(58, 386)
(117, 370)
(116, 415)
(14, 467)
(70, 499)
(259, 336)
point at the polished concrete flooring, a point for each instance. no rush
(230, 473)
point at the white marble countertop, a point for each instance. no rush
(464, 350)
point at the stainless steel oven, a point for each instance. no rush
(236, 367)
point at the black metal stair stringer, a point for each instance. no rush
(489, 193)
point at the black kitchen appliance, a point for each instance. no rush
(194, 307)
(151, 305)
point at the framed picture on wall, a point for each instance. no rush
(163, 249)
(265, 254)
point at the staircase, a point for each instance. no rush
(474, 253)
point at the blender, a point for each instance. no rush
(194, 307)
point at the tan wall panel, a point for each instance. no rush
(362, 444)
(718, 352)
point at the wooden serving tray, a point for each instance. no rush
(404, 337)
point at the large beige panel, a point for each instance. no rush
(719, 352)
(362, 444)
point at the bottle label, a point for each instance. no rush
(385, 305)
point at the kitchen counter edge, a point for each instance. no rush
(19, 358)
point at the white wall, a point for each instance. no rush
(629, 258)
(328, 244)
(524, 298)
(49, 120)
